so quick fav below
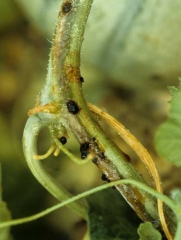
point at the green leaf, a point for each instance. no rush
(4, 215)
(146, 231)
(176, 196)
(168, 135)
(172, 90)
(111, 218)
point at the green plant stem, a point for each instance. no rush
(144, 204)
(32, 129)
(63, 84)
(66, 78)
(165, 199)
(178, 232)
(0, 183)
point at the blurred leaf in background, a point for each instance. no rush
(146, 231)
(110, 217)
(5, 214)
(168, 135)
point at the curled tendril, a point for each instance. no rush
(47, 154)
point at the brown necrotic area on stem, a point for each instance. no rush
(132, 194)
(73, 73)
(67, 7)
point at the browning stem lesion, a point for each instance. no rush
(63, 107)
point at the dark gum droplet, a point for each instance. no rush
(104, 177)
(72, 107)
(67, 7)
(83, 155)
(102, 155)
(94, 160)
(81, 79)
(84, 146)
(63, 140)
